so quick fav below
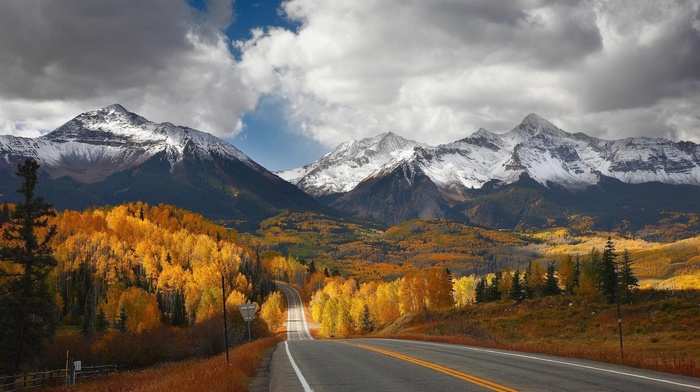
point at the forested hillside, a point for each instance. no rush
(126, 274)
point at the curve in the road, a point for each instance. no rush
(297, 329)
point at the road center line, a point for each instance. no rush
(300, 376)
(574, 365)
(454, 373)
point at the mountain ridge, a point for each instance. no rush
(111, 156)
(532, 176)
(536, 146)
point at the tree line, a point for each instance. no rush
(597, 273)
(343, 306)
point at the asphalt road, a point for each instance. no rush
(304, 364)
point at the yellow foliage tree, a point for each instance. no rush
(141, 309)
(272, 310)
(464, 290)
(439, 289)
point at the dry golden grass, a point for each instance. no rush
(659, 329)
(190, 375)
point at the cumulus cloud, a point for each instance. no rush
(434, 71)
(160, 58)
(437, 71)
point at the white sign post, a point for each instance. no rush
(248, 313)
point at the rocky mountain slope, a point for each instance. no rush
(111, 155)
(351, 162)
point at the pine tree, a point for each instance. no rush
(551, 284)
(27, 309)
(480, 291)
(576, 279)
(178, 317)
(627, 278)
(101, 323)
(608, 272)
(121, 322)
(516, 288)
(311, 268)
(367, 324)
(492, 292)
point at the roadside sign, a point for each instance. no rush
(78, 366)
(247, 311)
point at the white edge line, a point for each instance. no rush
(571, 364)
(304, 384)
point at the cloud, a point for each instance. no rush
(160, 58)
(437, 71)
(434, 71)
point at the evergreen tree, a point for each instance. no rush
(121, 322)
(480, 291)
(576, 279)
(516, 288)
(311, 268)
(551, 285)
(101, 323)
(608, 272)
(492, 292)
(87, 326)
(367, 324)
(178, 317)
(627, 278)
(27, 309)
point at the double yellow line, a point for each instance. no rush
(454, 373)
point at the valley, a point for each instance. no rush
(368, 252)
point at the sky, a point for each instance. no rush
(287, 81)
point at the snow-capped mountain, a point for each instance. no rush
(96, 144)
(111, 155)
(535, 147)
(342, 169)
(531, 176)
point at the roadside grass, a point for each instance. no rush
(660, 331)
(190, 375)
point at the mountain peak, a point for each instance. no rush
(115, 107)
(342, 169)
(532, 125)
(536, 122)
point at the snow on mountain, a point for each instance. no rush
(98, 143)
(342, 169)
(535, 147)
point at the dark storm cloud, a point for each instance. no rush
(640, 74)
(82, 48)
